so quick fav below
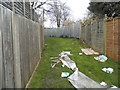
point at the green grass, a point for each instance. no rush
(46, 77)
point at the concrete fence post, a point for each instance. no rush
(16, 52)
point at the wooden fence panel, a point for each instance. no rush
(119, 39)
(31, 46)
(93, 34)
(1, 60)
(1, 55)
(112, 38)
(73, 30)
(2, 65)
(20, 48)
(24, 51)
(15, 29)
(26, 30)
(8, 49)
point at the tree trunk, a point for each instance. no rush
(58, 21)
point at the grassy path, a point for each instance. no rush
(46, 77)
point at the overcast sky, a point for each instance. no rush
(78, 9)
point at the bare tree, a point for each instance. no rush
(59, 12)
(65, 13)
(55, 9)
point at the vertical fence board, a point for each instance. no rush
(2, 64)
(15, 29)
(119, 39)
(1, 58)
(26, 29)
(31, 47)
(22, 53)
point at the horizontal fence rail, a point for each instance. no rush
(21, 43)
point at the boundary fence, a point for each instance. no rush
(73, 30)
(113, 38)
(100, 34)
(93, 33)
(21, 43)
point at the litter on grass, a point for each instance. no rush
(101, 58)
(64, 74)
(53, 65)
(68, 62)
(89, 51)
(113, 86)
(80, 53)
(103, 83)
(107, 70)
(63, 65)
(79, 80)
(52, 58)
(65, 53)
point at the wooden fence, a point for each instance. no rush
(93, 33)
(113, 38)
(100, 34)
(73, 30)
(103, 36)
(21, 43)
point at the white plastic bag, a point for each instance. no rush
(108, 70)
(103, 83)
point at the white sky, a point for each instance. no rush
(78, 9)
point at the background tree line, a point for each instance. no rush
(102, 9)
